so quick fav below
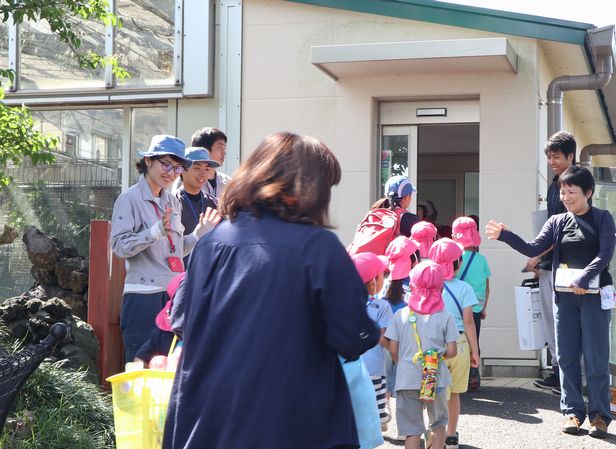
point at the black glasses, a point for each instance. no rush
(167, 167)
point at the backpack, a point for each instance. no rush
(378, 228)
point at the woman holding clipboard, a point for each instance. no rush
(583, 241)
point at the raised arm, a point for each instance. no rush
(543, 242)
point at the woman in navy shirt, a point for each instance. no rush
(271, 298)
(583, 238)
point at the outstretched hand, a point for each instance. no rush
(207, 221)
(493, 229)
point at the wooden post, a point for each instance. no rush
(105, 287)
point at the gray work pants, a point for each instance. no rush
(546, 291)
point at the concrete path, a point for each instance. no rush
(512, 413)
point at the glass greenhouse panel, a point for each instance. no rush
(145, 43)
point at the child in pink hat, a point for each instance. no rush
(371, 269)
(422, 327)
(459, 299)
(424, 234)
(476, 271)
(403, 255)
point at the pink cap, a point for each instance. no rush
(426, 288)
(444, 252)
(464, 231)
(369, 265)
(423, 233)
(399, 252)
(163, 319)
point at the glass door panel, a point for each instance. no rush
(398, 156)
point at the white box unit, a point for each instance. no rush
(531, 334)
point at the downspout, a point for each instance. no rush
(596, 150)
(602, 45)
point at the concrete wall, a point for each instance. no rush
(283, 91)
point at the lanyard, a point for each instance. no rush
(168, 235)
(419, 355)
(185, 196)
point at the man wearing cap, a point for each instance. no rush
(195, 202)
(147, 232)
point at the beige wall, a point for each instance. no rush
(283, 91)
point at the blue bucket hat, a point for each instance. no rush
(163, 144)
(397, 187)
(200, 154)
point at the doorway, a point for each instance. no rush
(440, 155)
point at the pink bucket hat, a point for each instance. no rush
(464, 231)
(369, 265)
(426, 288)
(423, 233)
(444, 252)
(163, 319)
(399, 252)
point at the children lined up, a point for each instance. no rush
(438, 305)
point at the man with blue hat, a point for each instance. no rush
(195, 202)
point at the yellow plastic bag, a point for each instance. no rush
(140, 400)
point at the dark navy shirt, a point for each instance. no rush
(269, 305)
(555, 206)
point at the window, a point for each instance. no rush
(47, 63)
(145, 41)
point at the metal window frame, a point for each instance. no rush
(109, 92)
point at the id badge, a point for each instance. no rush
(176, 264)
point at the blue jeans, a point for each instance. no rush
(138, 319)
(582, 329)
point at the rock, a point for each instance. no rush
(72, 274)
(83, 336)
(14, 309)
(43, 276)
(77, 358)
(43, 292)
(43, 251)
(19, 329)
(8, 235)
(57, 309)
(75, 302)
(39, 325)
(34, 305)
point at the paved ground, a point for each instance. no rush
(511, 413)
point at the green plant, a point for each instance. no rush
(58, 409)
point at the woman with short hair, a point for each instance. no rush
(583, 238)
(272, 298)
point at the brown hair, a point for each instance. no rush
(288, 174)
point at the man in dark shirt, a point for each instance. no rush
(194, 201)
(560, 153)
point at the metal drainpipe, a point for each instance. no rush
(596, 150)
(601, 42)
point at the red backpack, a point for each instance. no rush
(378, 228)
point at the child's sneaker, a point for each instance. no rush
(451, 442)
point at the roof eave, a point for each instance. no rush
(466, 17)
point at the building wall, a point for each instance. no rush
(283, 91)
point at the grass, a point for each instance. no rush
(59, 409)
